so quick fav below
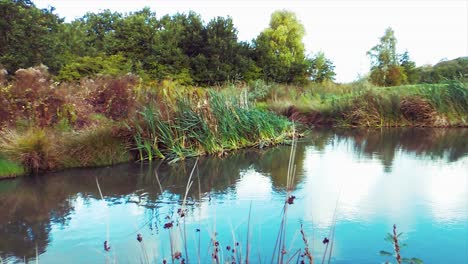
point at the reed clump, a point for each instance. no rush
(212, 124)
(33, 149)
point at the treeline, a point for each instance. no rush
(179, 47)
(183, 48)
(388, 68)
(444, 70)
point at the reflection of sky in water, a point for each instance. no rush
(426, 198)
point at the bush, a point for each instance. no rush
(81, 67)
(113, 97)
(31, 97)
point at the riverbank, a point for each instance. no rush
(107, 121)
(46, 126)
(364, 105)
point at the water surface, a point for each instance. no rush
(372, 179)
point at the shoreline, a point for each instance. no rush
(221, 154)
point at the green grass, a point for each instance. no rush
(93, 147)
(40, 150)
(214, 126)
(32, 148)
(10, 169)
(361, 104)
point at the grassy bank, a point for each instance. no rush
(48, 126)
(10, 169)
(363, 105)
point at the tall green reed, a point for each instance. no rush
(209, 126)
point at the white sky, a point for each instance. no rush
(345, 30)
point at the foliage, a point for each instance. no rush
(259, 90)
(95, 146)
(30, 36)
(386, 67)
(321, 69)
(10, 169)
(31, 97)
(180, 47)
(395, 240)
(361, 104)
(456, 69)
(409, 68)
(280, 49)
(113, 97)
(452, 96)
(33, 100)
(211, 125)
(82, 67)
(32, 148)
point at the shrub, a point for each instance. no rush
(113, 97)
(90, 67)
(31, 97)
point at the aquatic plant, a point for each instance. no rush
(205, 126)
(394, 239)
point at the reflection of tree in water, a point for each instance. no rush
(30, 206)
(217, 175)
(26, 215)
(450, 144)
(275, 163)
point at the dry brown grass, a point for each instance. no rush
(418, 110)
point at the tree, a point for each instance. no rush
(134, 38)
(29, 36)
(175, 37)
(226, 58)
(99, 31)
(385, 68)
(409, 68)
(81, 67)
(321, 69)
(280, 51)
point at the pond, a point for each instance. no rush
(351, 186)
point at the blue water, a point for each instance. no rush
(370, 180)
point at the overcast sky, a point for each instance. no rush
(343, 30)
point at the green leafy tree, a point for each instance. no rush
(170, 59)
(409, 68)
(73, 36)
(134, 37)
(86, 66)
(226, 58)
(99, 31)
(456, 69)
(385, 67)
(29, 36)
(280, 51)
(321, 69)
